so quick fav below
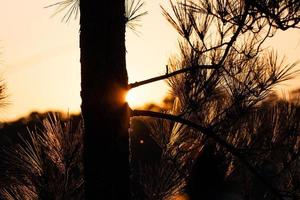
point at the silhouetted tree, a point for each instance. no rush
(104, 84)
(221, 76)
(218, 81)
(103, 88)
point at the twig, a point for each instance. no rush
(168, 75)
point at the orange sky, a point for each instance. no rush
(40, 56)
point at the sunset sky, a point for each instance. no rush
(39, 56)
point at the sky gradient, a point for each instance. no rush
(39, 56)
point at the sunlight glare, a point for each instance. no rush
(148, 94)
(132, 98)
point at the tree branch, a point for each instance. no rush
(168, 75)
(211, 134)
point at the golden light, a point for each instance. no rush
(146, 94)
(133, 99)
(180, 197)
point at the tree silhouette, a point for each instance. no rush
(103, 89)
(219, 82)
(104, 84)
(226, 76)
(221, 76)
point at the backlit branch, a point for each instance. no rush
(211, 134)
(168, 75)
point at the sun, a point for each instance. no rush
(138, 98)
(133, 99)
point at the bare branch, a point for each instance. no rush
(168, 75)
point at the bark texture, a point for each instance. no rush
(103, 87)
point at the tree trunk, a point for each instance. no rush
(103, 87)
